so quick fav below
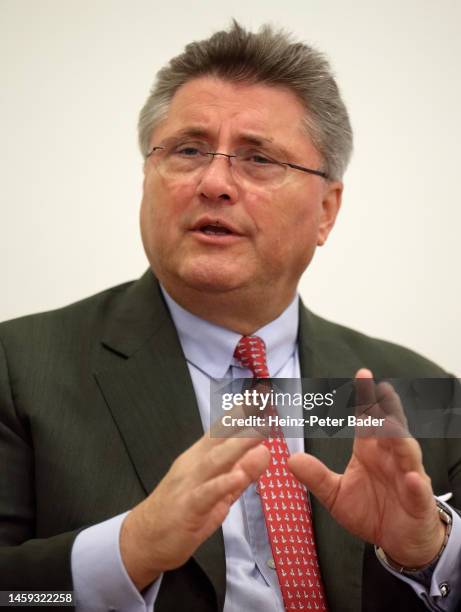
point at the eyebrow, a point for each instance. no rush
(245, 137)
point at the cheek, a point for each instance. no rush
(259, 206)
(291, 225)
(283, 214)
(164, 205)
(305, 230)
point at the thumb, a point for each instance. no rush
(322, 482)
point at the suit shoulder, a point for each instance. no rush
(83, 314)
(377, 354)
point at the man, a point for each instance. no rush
(109, 485)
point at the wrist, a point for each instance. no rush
(418, 566)
(132, 551)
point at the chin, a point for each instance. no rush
(211, 277)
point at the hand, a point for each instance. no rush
(189, 504)
(384, 497)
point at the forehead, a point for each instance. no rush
(229, 109)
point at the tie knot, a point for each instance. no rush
(251, 353)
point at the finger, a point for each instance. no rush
(222, 458)
(234, 424)
(321, 481)
(365, 395)
(205, 497)
(220, 430)
(229, 486)
(407, 455)
(245, 417)
(255, 461)
(390, 404)
(364, 373)
(219, 434)
(419, 496)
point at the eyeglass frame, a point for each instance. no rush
(320, 173)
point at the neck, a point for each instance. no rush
(239, 311)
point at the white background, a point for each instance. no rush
(76, 72)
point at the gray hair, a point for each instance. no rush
(269, 57)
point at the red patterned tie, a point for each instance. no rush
(286, 508)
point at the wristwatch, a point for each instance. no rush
(421, 573)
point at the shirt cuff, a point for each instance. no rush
(445, 583)
(101, 582)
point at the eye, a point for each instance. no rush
(257, 158)
(187, 151)
(260, 159)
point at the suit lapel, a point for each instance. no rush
(340, 554)
(146, 383)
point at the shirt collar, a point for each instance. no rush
(211, 347)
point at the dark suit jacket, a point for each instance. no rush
(96, 402)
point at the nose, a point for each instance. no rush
(217, 183)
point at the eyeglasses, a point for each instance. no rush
(179, 160)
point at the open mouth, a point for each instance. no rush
(215, 230)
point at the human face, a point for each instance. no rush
(274, 232)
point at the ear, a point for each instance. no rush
(331, 203)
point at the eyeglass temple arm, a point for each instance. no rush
(308, 170)
(152, 150)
